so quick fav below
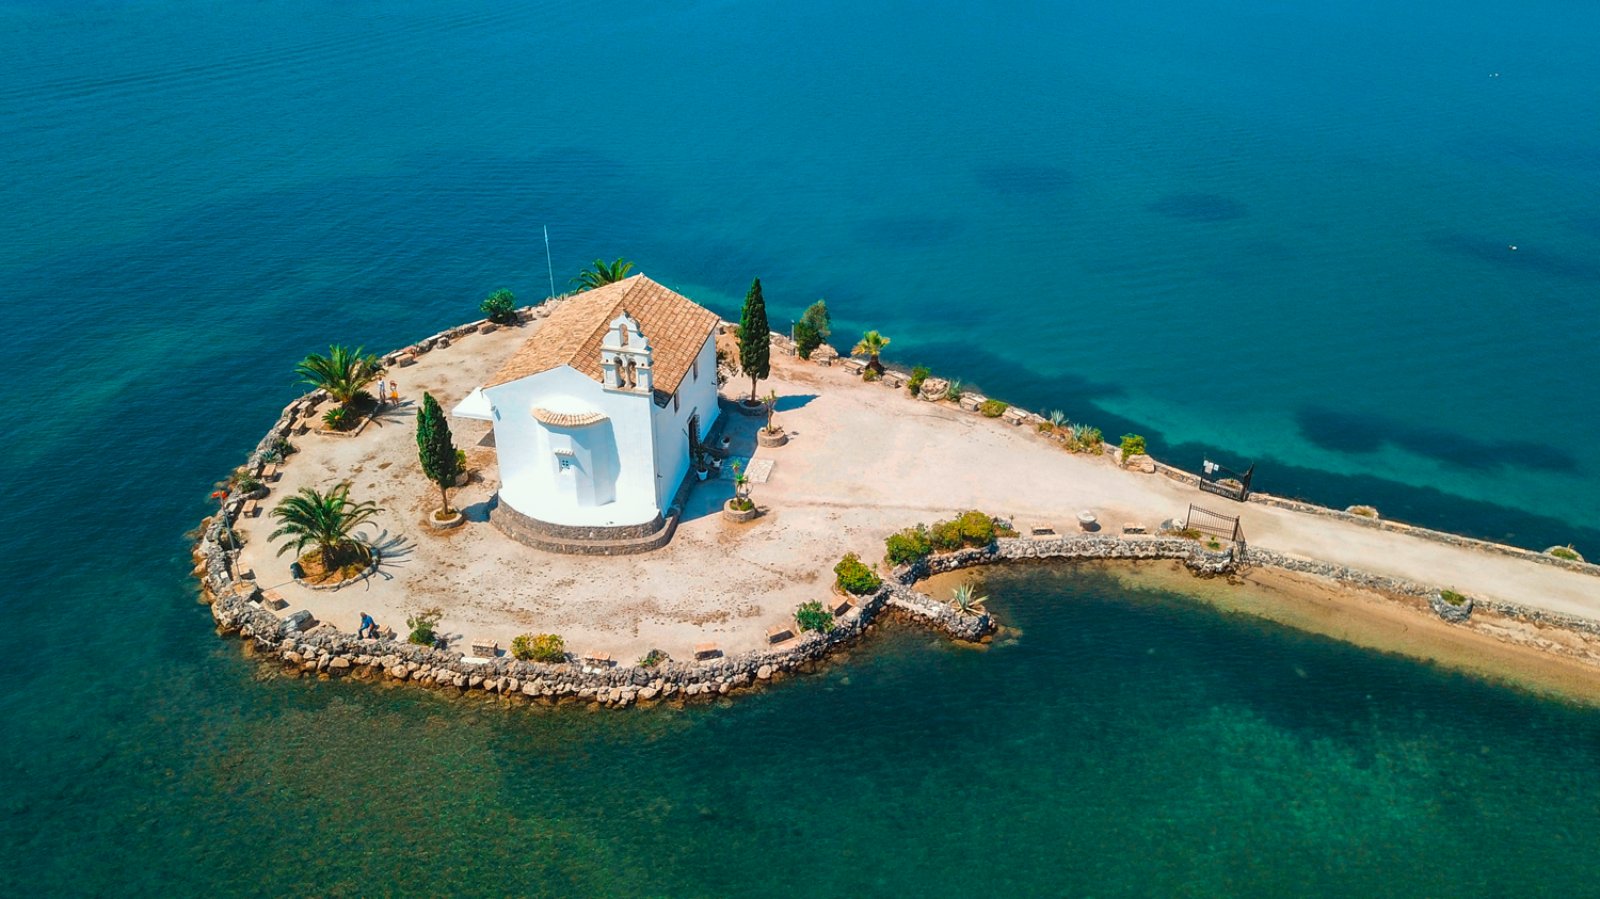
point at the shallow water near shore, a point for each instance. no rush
(1114, 740)
(1280, 236)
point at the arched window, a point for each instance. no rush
(622, 334)
(633, 374)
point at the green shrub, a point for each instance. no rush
(1132, 445)
(339, 418)
(423, 625)
(1566, 552)
(993, 408)
(954, 391)
(1213, 544)
(977, 529)
(500, 307)
(1187, 533)
(741, 504)
(1086, 439)
(540, 648)
(907, 546)
(1452, 597)
(811, 616)
(812, 329)
(871, 374)
(652, 658)
(853, 576)
(919, 373)
(945, 536)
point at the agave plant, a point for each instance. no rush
(344, 373)
(324, 521)
(963, 601)
(1057, 418)
(871, 344)
(602, 273)
(954, 391)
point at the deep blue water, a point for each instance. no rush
(1261, 231)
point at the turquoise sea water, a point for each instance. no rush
(1271, 233)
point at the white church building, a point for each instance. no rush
(595, 415)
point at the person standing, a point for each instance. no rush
(394, 392)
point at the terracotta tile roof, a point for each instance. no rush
(673, 324)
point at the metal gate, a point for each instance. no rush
(1216, 524)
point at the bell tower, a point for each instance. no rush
(625, 357)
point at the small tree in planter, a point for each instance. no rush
(437, 452)
(771, 399)
(1132, 445)
(755, 338)
(424, 627)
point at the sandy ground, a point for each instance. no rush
(863, 460)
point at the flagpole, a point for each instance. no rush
(547, 262)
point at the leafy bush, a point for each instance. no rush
(500, 307)
(1187, 533)
(652, 658)
(907, 546)
(919, 374)
(945, 536)
(423, 625)
(1363, 511)
(1132, 445)
(993, 408)
(871, 374)
(1566, 552)
(812, 616)
(977, 529)
(1452, 597)
(853, 576)
(1213, 544)
(741, 504)
(812, 329)
(339, 418)
(540, 648)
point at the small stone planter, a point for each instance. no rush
(1449, 611)
(366, 573)
(732, 514)
(764, 438)
(445, 524)
(745, 408)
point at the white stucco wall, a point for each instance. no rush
(610, 479)
(695, 394)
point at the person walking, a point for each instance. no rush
(368, 628)
(394, 392)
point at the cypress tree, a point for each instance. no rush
(755, 338)
(436, 450)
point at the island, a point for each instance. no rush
(650, 505)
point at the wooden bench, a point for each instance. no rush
(778, 633)
(251, 508)
(1133, 528)
(854, 366)
(1044, 532)
(273, 600)
(485, 649)
(703, 651)
(839, 605)
(269, 471)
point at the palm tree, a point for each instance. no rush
(324, 520)
(964, 602)
(872, 343)
(601, 273)
(344, 373)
